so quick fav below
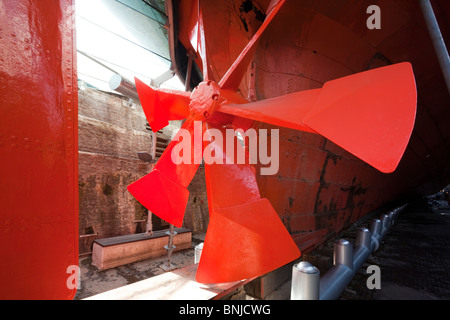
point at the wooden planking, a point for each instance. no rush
(133, 248)
(105, 242)
(179, 284)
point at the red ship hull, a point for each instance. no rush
(320, 188)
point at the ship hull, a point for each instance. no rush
(321, 189)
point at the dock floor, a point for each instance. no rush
(414, 259)
(414, 262)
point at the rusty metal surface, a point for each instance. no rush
(319, 185)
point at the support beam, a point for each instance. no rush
(437, 39)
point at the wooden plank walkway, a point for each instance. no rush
(179, 284)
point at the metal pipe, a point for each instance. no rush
(385, 220)
(362, 247)
(169, 247)
(96, 61)
(375, 230)
(198, 253)
(437, 39)
(159, 80)
(362, 250)
(191, 57)
(123, 86)
(363, 238)
(346, 263)
(343, 253)
(307, 278)
(335, 280)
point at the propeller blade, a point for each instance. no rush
(243, 242)
(234, 75)
(162, 105)
(161, 196)
(164, 190)
(245, 236)
(233, 173)
(286, 111)
(207, 73)
(370, 114)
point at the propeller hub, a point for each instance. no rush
(204, 100)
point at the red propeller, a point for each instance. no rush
(370, 114)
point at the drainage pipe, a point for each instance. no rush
(306, 281)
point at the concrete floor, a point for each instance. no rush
(94, 281)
